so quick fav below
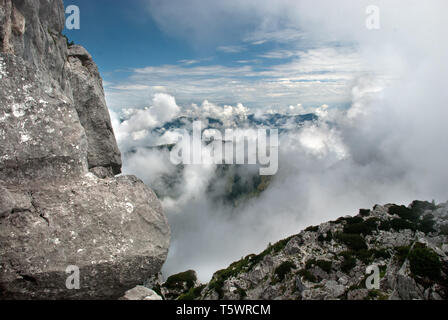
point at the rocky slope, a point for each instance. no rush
(60, 203)
(409, 245)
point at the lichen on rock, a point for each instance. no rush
(60, 203)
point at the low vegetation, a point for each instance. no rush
(177, 281)
(307, 275)
(323, 264)
(192, 294)
(348, 262)
(412, 218)
(351, 240)
(283, 269)
(424, 262)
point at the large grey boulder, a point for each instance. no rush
(60, 204)
(88, 96)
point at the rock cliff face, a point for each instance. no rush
(408, 245)
(60, 203)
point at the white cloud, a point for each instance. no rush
(277, 54)
(316, 76)
(136, 129)
(231, 49)
(389, 146)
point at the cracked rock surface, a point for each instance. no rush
(408, 245)
(60, 203)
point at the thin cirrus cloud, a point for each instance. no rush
(231, 49)
(273, 57)
(310, 77)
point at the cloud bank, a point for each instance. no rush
(388, 146)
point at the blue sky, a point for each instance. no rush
(256, 53)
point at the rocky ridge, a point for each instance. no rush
(60, 202)
(409, 245)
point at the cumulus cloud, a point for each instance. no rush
(388, 146)
(136, 128)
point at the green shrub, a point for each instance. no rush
(402, 224)
(364, 212)
(421, 206)
(233, 270)
(404, 212)
(425, 262)
(353, 220)
(444, 229)
(308, 276)
(192, 294)
(328, 237)
(244, 265)
(402, 253)
(242, 293)
(349, 262)
(368, 256)
(376, 295)
(176, 281)
(381, 253)
(283, 269)
(272, 248)
(372, 223)
(385, 225)
(426, 225)
(397, 224)
(358, 228)
(323, 264)
(312, 229)
(364, 255)
(353, 241)
(339, 220)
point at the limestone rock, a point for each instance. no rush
(330, 261)
(88, 98)
(357, 294)
(141, 293)
(54, 212)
